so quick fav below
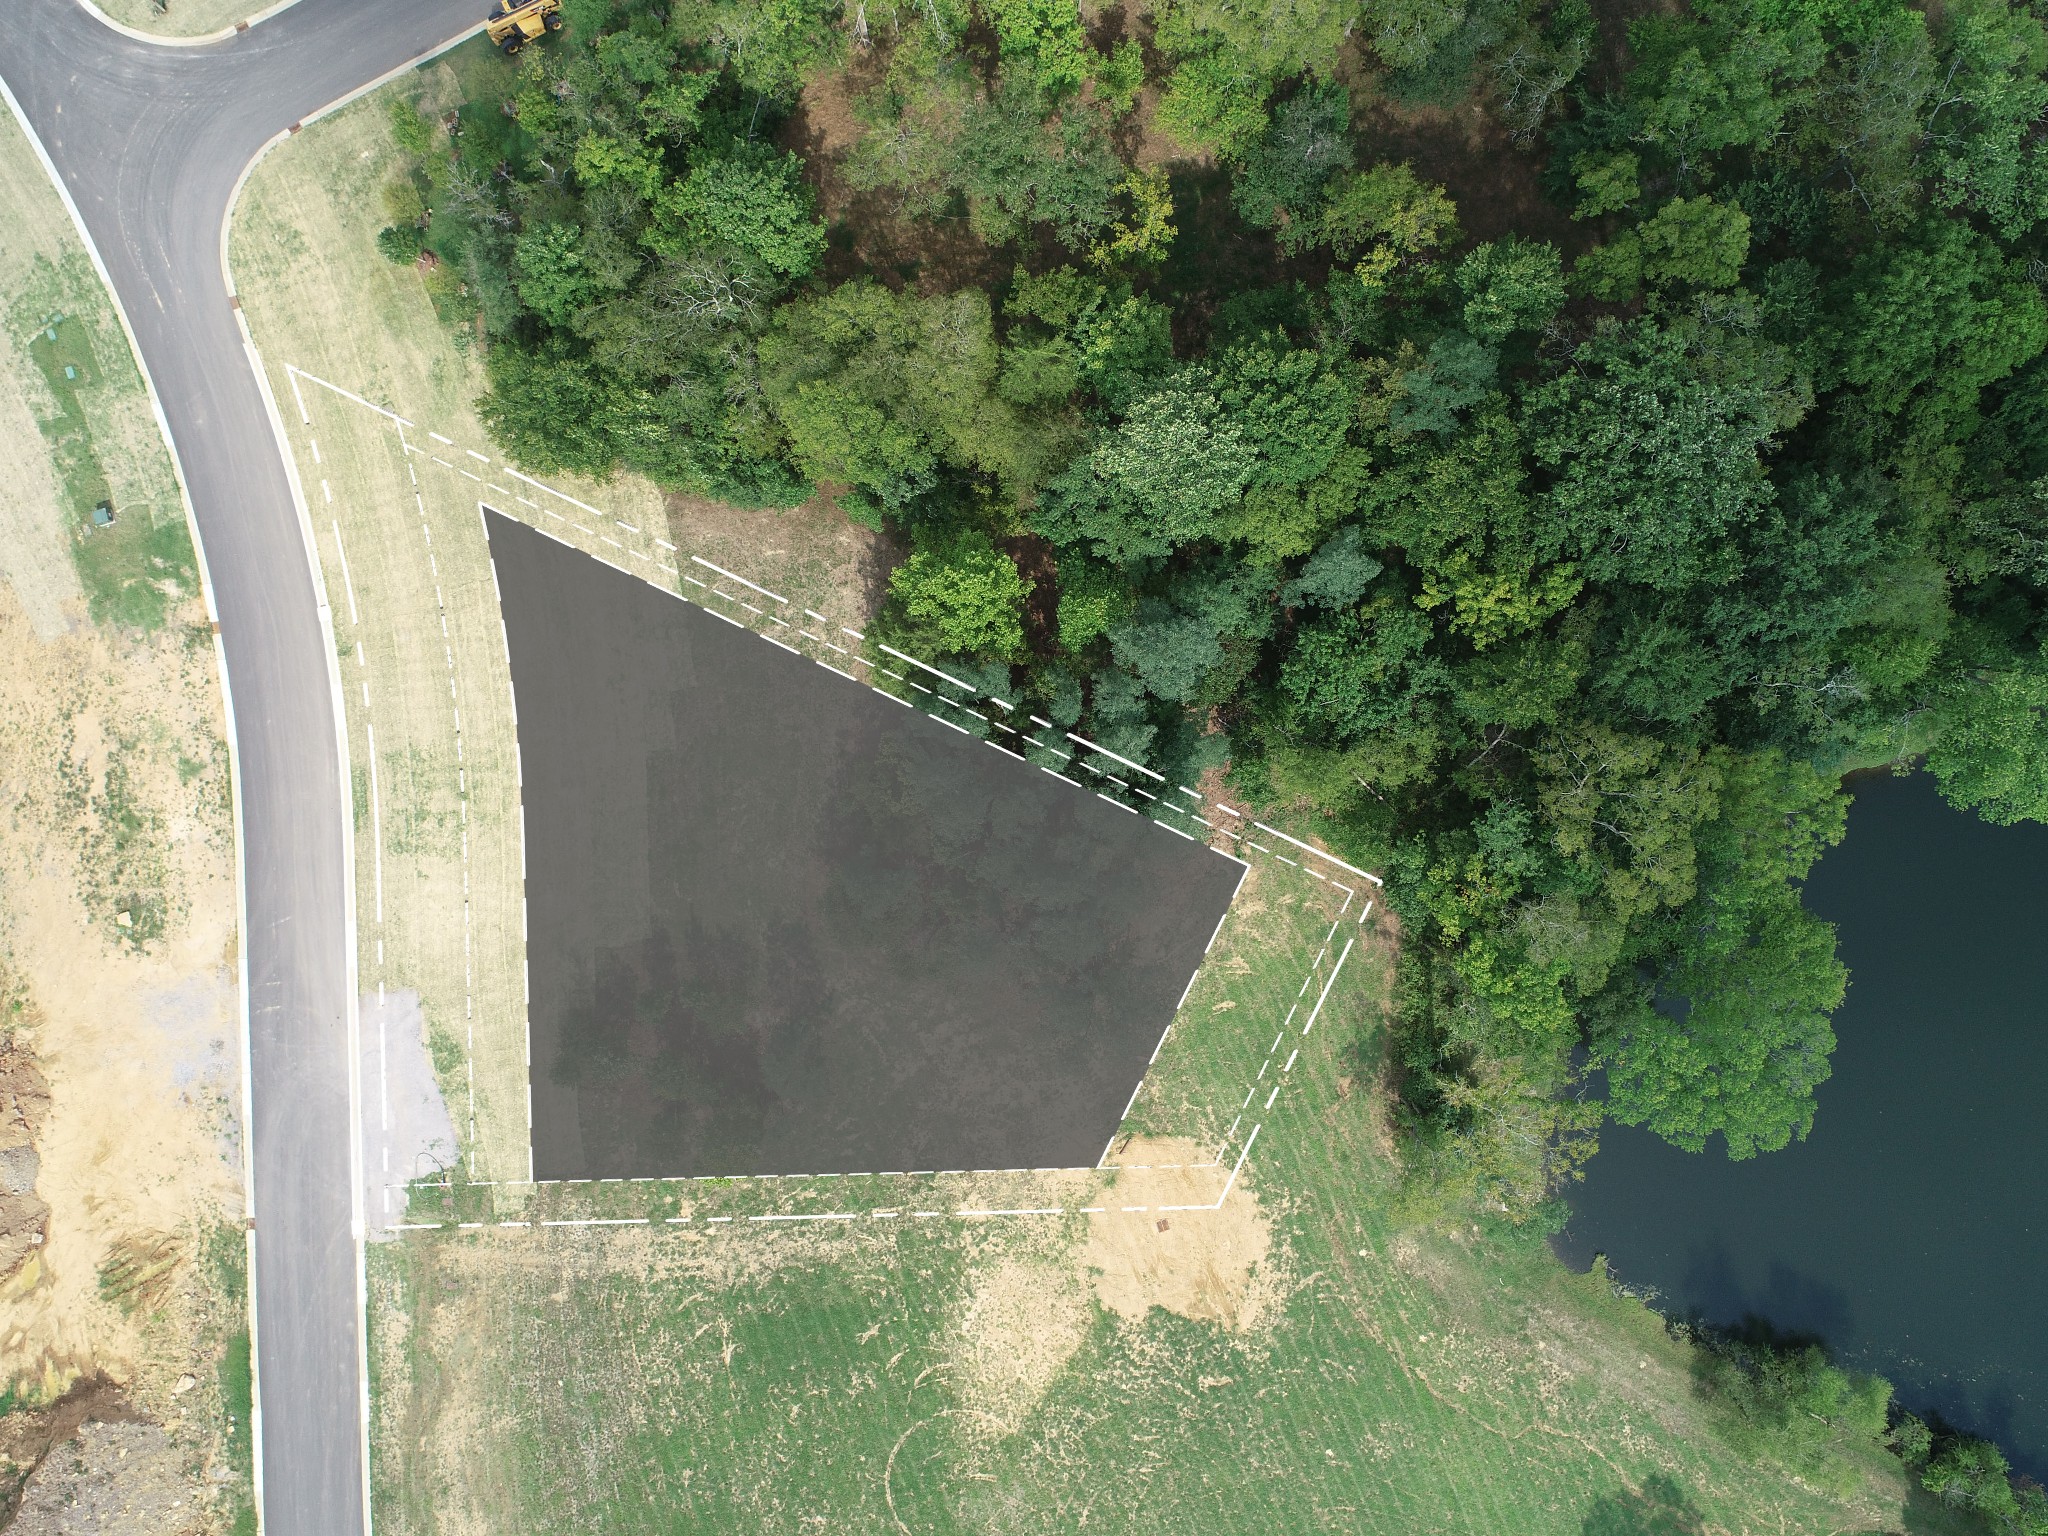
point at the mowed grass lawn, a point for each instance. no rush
(1309, 1367)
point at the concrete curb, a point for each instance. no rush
(204, 40)
(220, 662)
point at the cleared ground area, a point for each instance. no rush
(777, 922)
(124, 1351)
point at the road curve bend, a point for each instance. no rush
(150, 142)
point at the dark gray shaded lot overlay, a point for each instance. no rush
(780, 923)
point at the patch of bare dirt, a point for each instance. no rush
(1214, 1266)
(24, 1103)
(27, 1436)
(119, 1078)
(113, 1475)
(1023, 1317)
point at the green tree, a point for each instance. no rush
(549, 274)
(755, 204)
(966, 596)
(1986, 155)
(1992, 753)
(1017, 169)
(1695, 242)
(1973, 1474)
(1786, 1401)
(1457, 375)
(1388, 214)
(1336, 575)
(769, 45)
(1363, 670)
(1510, 285)
(1047, 36)
(883, 391)
(1924, 326)
(1607, 183)
(1213, 102)
(1657, 444)
(1281, 178)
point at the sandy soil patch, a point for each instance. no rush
(1209, 1266)
(124, 997)
(126, 988)
(1023, 1315)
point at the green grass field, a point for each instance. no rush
(67, 366)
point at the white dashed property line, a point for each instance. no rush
(294, 373)
(1339, 966)
(1005, 704)
(376, 832)
(1079, 740)
(820, 1216)
(346, 394)
(602, 1221)
(949, 677)
(1327, 858)
(347, 581)
(1118, 757)
(558, 495)
(700, 560)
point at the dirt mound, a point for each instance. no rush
(27, 1438)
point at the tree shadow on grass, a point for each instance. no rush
(1659, 1508)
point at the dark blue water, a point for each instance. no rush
(1911, 1230)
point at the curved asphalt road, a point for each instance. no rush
(151, 141)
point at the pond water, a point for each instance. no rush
(1910, 1232)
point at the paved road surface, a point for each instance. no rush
(150, 141)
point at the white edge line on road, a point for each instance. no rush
(227, 698)
(352, 1003)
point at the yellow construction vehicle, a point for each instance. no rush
(513, 23)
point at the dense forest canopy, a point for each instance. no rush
(1560, 574)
